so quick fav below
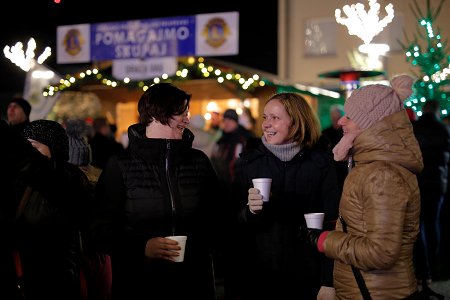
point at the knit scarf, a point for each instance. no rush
(342, 149)
(284, 152)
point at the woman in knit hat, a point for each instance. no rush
(380, 203)
(52, 198)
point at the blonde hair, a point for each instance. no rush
(305, 127)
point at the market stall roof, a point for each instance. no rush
(231, 79)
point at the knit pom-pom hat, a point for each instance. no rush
(372, 103)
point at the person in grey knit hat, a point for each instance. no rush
(79, 149)
(380, 204)
(80, 153)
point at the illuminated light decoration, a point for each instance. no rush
(374, 51)
(426, 51)
(188, 69)
(25, 59)
(366, 25)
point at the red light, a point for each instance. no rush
(57, 1)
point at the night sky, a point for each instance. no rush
(40, 18)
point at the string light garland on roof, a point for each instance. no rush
(365, 25)
(190, 69)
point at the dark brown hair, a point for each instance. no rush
(162, 101)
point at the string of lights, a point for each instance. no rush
(190, 68)
(428, 53)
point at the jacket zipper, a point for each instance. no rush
(169, 185)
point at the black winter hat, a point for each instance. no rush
(231, 114)
(24, 104)
(51, 134)
(79, 149)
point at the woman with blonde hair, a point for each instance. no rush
(275, 262)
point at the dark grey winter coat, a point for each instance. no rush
(280, 264)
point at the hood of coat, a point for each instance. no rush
(391, 139)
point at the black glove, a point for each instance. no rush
(310, 235)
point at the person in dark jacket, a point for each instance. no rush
(50, 201)
(334, 133)
(434, 140)
(276, 264)
(103, 143)
(161, 187)
(18, 114)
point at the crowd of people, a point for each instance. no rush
(84, 217)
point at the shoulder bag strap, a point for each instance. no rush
(358, 276)
(16, 255)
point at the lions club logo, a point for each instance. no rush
(216, 32)
(73, 42)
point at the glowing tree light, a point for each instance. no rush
(428, 52)
(25, 59)
(366, 25)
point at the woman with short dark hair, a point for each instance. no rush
(161, 187)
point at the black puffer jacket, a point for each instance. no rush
(277, 260)
(160, 188)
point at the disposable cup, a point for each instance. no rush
(314, 220)
(263, 185)
(181, 239)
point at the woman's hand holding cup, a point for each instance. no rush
(255, 200)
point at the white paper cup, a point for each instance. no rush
(181, 239)
(263, 185)
(314, 220)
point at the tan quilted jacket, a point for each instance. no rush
(380, 204)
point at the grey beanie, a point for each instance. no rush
(79, 149)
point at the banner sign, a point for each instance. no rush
(141, 69)
(143, 38)
(205, 34)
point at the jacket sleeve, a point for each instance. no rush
(329, 196)
(380, 204)
(108, 225)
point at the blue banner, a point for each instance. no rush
(164, 37)
(213, 34)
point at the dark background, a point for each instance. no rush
(40, 18)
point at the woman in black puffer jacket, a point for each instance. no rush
(161, 187)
